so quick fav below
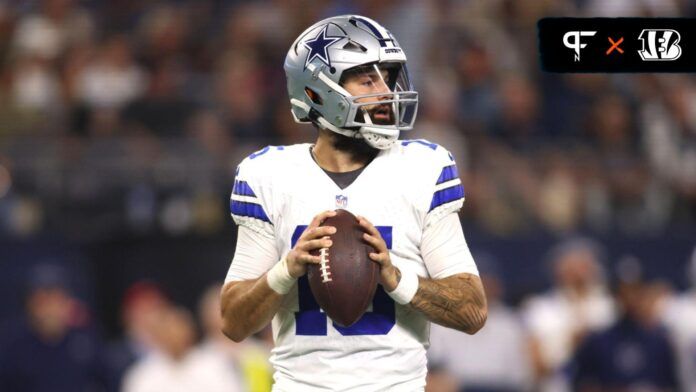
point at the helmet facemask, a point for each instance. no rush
(382, 101)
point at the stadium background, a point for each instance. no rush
(121, 124)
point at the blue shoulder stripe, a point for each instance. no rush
(242, 188)
(447, 195)
(448, 173)
(432, 146)
(252, 210)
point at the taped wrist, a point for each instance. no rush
(279, 278)
(406, 289)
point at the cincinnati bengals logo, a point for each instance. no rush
(660, 45)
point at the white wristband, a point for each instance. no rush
(406, 289)
(279, 278)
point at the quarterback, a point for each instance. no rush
(347, 76)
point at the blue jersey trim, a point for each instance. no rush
(448, 173)
(447, 195)
(252, 210)
(432, 146)
(242, 188)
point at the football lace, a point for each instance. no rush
(324, 265)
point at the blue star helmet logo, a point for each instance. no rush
(318, 45)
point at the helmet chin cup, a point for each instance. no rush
(378, 140)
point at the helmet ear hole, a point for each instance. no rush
(314, 96)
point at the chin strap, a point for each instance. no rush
(315, 117)
(374, 136)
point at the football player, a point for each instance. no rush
(347, 75)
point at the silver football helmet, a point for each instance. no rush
(354, 53)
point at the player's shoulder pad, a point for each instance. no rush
(426, 157)
(251, 202)
(267, 158)
(424, 152)
(438, 174)
(271, 162)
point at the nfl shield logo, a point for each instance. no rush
(341, 201)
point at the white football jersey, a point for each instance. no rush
(277, 192)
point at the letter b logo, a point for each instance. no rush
(659, 45)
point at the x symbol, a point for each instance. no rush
(614, 45)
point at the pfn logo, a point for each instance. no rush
(659, 45)
(575, 44)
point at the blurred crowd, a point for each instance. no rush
(58, 346)
(138, 111)
(130, 116)
(596, 329)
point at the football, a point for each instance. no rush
(345, 281)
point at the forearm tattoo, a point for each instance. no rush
(456, 302)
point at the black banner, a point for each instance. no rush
(617, 44)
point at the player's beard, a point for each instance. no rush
(359, 148)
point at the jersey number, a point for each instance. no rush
(310, 320)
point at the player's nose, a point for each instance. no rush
(380, 87)
(386, 95)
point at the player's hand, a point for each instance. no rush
(389, 275)
(312, 238)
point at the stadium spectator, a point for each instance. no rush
(624, 177)
(240, 93)
(54, 26)
(576, 305)
(439, 113)
(142, 303)
(558, 194)
(246, 361)
(517, 123)
(54, 347)
(163, 33)
(679, 315)
(207, 128)
(477, 99)
(175, 365)
(634, 353)
(35, 86)
(113, 78)
(163, 110)
(669, 127)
